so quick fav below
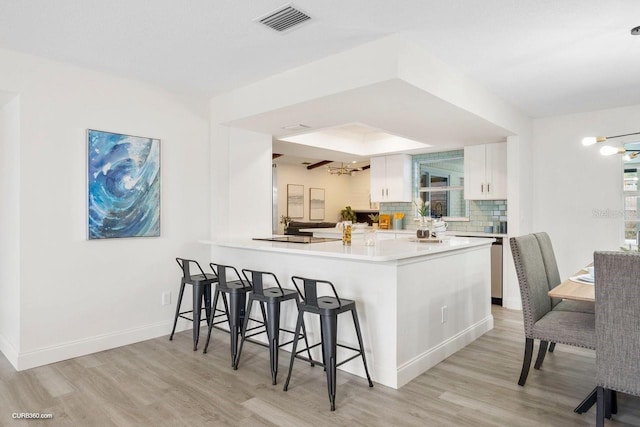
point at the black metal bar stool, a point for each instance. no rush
(272, 298)
(328, 308)
(201, 284)
(237, 291)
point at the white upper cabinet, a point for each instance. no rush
(485, 172)
(391, 178)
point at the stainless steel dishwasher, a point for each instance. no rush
(496, 271)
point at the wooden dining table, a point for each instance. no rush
(571, 289)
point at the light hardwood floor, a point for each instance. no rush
(164, 383)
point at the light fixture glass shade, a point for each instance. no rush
(590, 140)
(608, 150)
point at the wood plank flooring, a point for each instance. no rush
(164, 383)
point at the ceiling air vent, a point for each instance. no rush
(283, 18)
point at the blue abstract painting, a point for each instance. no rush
(123, 185)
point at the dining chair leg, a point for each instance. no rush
(607, 403)
(552, 347)
(600, 408)
(526, 363)
(542, 351)
(614, 402)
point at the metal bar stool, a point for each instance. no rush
(272, 298)
(328, 309)
(237, 291)
(201, 284)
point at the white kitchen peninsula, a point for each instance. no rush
(418, 303)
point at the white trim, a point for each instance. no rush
(8, 350)
(82, 347)
(430, 358)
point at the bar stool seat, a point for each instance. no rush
(272, 299)
(237, 290)
(328, 308)
(201, 284)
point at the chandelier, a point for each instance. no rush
(343, 169)
(608, 150)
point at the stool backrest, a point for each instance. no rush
(257, 280)
(310, 296)
(220, 271)
(185, 265)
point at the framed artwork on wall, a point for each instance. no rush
(123, 185)
(316, 204)
(295, 201)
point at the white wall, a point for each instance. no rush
(241, 178)
(570, 181)
(80, 296)
(10, 228)
(339, 191)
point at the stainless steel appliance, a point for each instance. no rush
(496, 271)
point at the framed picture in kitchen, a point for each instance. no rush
(316, 204)
(295, 201)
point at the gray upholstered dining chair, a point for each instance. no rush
(553, 279)
(617, 328)
(540, 321)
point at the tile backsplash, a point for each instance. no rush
(482, 213)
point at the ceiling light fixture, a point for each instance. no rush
(635, 31)
(343, 169)
(590, 140)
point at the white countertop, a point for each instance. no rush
(384, 250)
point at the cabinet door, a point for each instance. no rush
(496, 171)
(398, 178)
(474, 172)
(378, 173)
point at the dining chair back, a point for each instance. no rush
(532, 279)
(617, 293)
(553, 278)
(540, 320)
(550, 263)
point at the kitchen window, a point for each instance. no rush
(441, 183)
(631, 197)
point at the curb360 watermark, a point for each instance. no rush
(31, 416)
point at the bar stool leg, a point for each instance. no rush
(273, 334)
(214, 305)
(175, 321)
(359, 334)
(236, 318)
(243, 332)
(329, 326)
(293, 349)
(207, 302)
(306, 342)
(324, 359)
(198, 294)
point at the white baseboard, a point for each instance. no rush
(56, 353)
(9, 351)
(427, 360)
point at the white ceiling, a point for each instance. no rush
(545, 57)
